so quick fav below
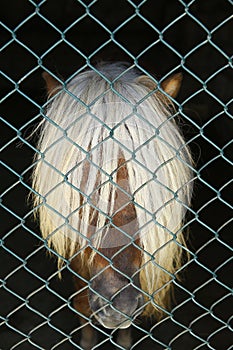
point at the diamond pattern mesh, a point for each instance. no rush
(160, 37)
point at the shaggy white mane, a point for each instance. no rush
(88, 126)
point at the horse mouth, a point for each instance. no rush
(109, 324)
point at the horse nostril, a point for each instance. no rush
(102, 314)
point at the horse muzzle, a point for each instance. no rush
(118, 313)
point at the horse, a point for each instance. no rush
(112, 183)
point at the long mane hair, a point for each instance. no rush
(98, 117)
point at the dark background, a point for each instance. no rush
(195, 40)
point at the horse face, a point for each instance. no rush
(115, 296)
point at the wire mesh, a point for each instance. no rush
(37, 309)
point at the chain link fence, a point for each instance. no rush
(159, 39)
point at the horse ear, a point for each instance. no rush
(52, 84)
(172, 84)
